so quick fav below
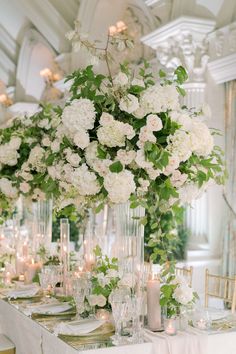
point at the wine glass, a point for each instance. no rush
(80, 289)
(119, 300)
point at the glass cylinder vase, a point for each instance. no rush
(42, 224)
(130, 239)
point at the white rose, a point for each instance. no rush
(178, 179)
(7, 188)
(121, 79)
(129, 103)
(183, 294)
(106, 119)
(154, 123)
(173, 164)
(44, 123)
(55, 146)
(46, 141)
(126, 157)
(15, 142)
(119, 186)
(24, 187)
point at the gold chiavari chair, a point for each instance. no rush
(186, 272)
(220, 287)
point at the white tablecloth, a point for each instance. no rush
(31, 338)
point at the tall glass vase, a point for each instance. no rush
(130, 239)
(42, 224)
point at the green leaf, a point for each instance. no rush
(99, 208)
(101, 153)
(116, 167)
(181, 91)
(162, 73)
(181, 74)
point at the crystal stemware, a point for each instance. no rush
(80, 289)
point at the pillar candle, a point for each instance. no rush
(153, 304)
(31, 270)
(25, 250)
(20, 265)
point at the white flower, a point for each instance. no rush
(55, 146)
(183, 119)
(46, 141)
(119, 186)
(73, 158)
(121, 79)
(140, 112)
(154, 123)
(24, 187)
(102, 166)
(178, 179)
(85, 181)
(35, 158)
(180, 145)
(112, 273)
(153, 173)
(144, 136)
(129, 103)
(202, 142)
(126, 157)
(97, 300)
(106, 119)
(114, 134)
(144, 184)
(7, 188)
(141, 160)
(91, 153)
(79, 114)
(38, 194)
(15, 142)
(44, 123)
(102, 279)
(138, 82)
(206, 110)
(173, 164)
(183, 294)
(159, 98)
(81, 138)
(189, 192)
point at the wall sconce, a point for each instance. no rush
(119, 27)
(5, 100)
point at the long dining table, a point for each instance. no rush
(32, 336)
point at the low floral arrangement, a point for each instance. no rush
(176, 294)
(105, 278)
(117, 139)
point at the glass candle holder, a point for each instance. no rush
(170, 326)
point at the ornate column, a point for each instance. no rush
(184, 42)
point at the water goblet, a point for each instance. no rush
(80, 288)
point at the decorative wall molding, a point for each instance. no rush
(182, 42)
(222, 49)
(223, 69)
(7, 69)
(11, 48)
(35, 54)
(49, 22)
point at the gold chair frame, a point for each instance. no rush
(186, 272)
(225, 283)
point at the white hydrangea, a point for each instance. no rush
(180, 145)
(129, 103)
(101, 166)
(114, 133)
(106, 119)
(119, 186)
(121, 79)
(81, 138)
(55, 145)
(189, 192)
(7, 188)
(126, 157)
(91, 153)
(85, 181)
(46, 141)
(202, 141)
(182, 118)
(153, 173)
(71, 157)
(159, 98)
(35, 158)
(102, 279)
(38, 194)
(79, 114)
(8, 152)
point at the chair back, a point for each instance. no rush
(186, 272)
(220, 287)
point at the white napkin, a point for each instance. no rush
(28, 292)
(79, 327)
(191, 341)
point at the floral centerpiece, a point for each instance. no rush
(106, 278)
(177, 296)
(117, 139)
